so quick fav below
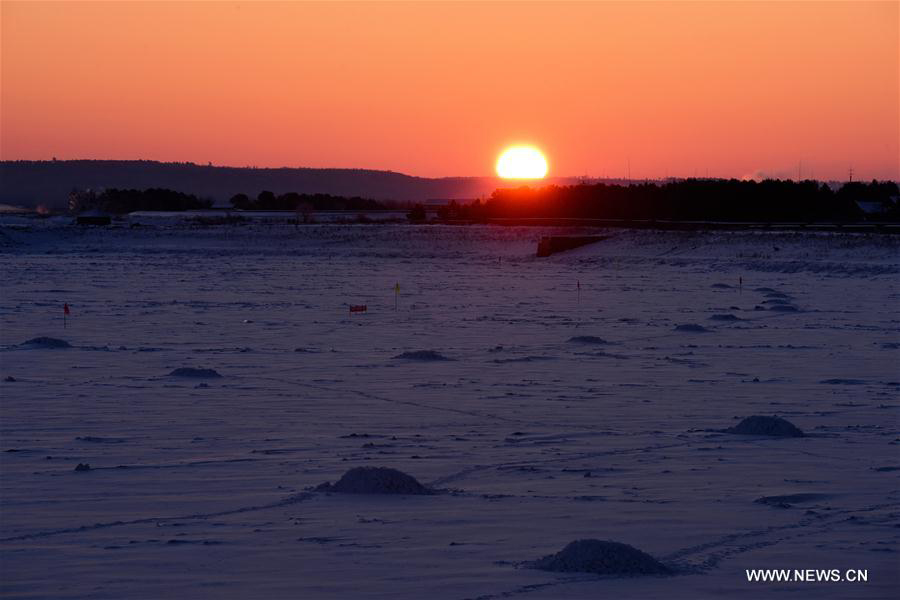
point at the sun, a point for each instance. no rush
(522, 162)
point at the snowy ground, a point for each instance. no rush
(199, 487)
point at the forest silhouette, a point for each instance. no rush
(267, 200)
(686, 200)
(719, 200)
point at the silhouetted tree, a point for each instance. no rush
(265, 200)
(82, 200)
(240, 201)
(417, 214)
(449, 211)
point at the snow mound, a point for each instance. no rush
(602, 558)
(100, 440)
(587, 339)
(691, 328)
(422, 355)
(192, 372)
(788, 500)
(375, 480)
(46, 342)
(521, 359)
(725, 317)
(843, 382)
(771, 426)
(783, 308)
(721, 286)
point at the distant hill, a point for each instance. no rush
(30, 183)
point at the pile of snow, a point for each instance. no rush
(841, 381)
(783, 308)
(192, 372)
(587, 339)
(691, 328)
(46, 342)
(422, 355)
(375, 480)
(602, 558)
(771, 426)
(100, 440)
(788, 500)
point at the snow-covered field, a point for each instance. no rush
(558, 414)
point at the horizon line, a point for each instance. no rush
(210, 164)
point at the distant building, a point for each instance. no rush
(877, 208)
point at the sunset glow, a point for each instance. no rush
(650, 89)
(522, 162)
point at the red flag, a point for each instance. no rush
(66, 309)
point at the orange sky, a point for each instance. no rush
(433, 89)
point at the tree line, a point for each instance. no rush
(267, 200)
(121, 201)
(686, 200)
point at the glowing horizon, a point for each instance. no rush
(613, 89)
